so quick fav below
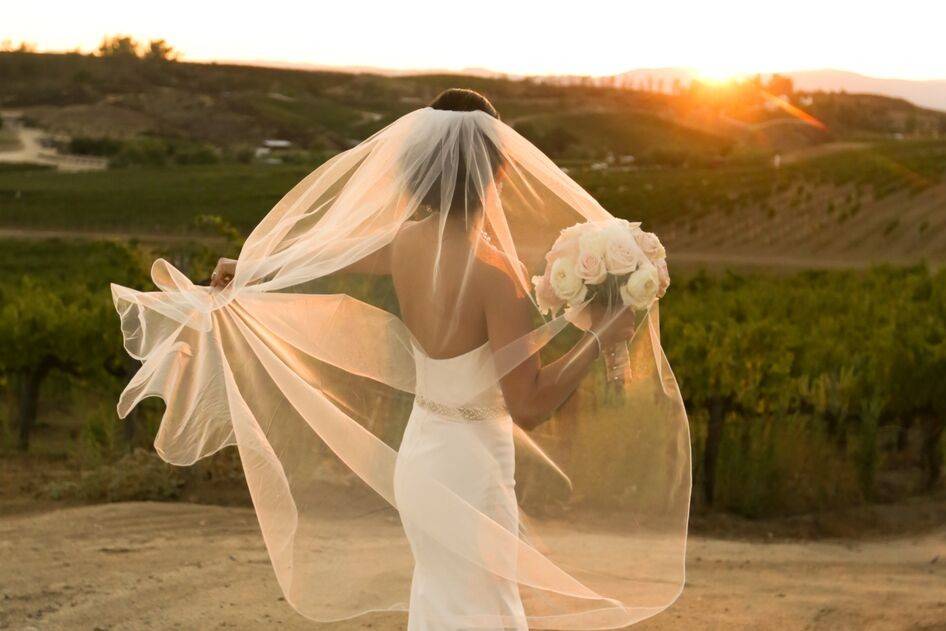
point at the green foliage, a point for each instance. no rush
(84, 145)
(75, 265)
(166, 200)
(807, 377)
(161, 152)
(20, 167)
(138, 476)
(61, 323)
(40, 324)
(807, 372)
(143, 199)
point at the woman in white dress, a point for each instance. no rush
(428, 395)
(459, 431)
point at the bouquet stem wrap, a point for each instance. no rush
(617, 362)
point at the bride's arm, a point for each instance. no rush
(377, 263)
(533, 391)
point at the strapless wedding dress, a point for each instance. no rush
(459, 435)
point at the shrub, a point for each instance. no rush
(139, 476)
(85, 145)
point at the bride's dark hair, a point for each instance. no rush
(463, 100)
(464, 191)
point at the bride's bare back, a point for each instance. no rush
(439, 291)
(457, 292)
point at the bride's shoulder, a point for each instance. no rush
(407, 228)
(405, 232)
(497, 269)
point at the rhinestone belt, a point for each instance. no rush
(466, 413)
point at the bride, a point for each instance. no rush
(379, 343)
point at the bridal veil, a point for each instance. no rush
(304, 364)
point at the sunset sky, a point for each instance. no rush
(718, 39)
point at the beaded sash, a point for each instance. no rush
(466, 413)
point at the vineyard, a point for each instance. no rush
(805, 391)
(810, 389)
(880, 202)
(883, 202)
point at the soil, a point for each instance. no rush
(143, 565)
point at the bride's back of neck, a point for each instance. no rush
(455, 227)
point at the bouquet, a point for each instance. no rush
(612, 262)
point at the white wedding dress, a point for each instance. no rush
(459, 435)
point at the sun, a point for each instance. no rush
(718, 74)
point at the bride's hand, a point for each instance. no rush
(612, 325)
(223, 273)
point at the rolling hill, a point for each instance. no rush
(723, 176)
(924, 93)
(230, 107)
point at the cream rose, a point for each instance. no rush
(650, 245)
(566, 245)
(641, 287)
(591, 267)
(566, 283)
(663, 275)
(545, 297)
(621, 254)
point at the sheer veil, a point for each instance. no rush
(305, 363)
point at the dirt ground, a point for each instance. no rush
(187, 566)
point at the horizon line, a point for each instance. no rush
(481, 70)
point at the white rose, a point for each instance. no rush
(566, 283)
(641, 287)
(622, 254)
(650, 245)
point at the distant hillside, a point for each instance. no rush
(930, 94)
(838, 204)
(926, 94)
(232, 108)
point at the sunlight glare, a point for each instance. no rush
(718, 75)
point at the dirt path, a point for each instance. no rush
(185, 566)
(31, 150)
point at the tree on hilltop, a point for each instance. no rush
(160, 50)
(119, 46)
(126, 47)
